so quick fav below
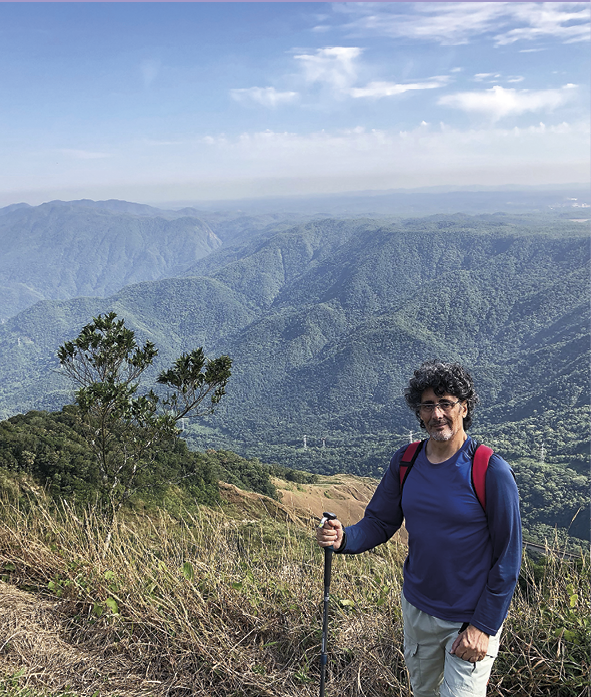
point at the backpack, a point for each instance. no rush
(480, 460)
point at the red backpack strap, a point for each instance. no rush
(408, 458)
(480, 461)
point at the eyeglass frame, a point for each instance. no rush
(445, 406)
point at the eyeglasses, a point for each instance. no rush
(445, 406)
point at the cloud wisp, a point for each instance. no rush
(266, 96)
(333, 66)
(378, 89)
(396, 154)
(276, 162)
(454, 23)
(568, 22)
(498, 102)
(150, 70)
(84, 154)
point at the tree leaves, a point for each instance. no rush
(123, 428)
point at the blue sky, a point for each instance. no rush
(158, 102)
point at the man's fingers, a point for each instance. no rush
(463, 648)
(329, 533)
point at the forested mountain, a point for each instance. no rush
(326, 320)
(63, 250)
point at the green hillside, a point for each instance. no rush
(325, 321)
(62, 250)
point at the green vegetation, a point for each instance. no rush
(48, 451)
(124, 430)
(53, 450)
(92, 249)
(10, 687)
(325, 322)
(211, 606)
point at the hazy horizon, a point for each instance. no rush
(285, 198)
(153, 102)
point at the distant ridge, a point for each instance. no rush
(66, 249)
(325, 321)
(410, 202)
(13, 207)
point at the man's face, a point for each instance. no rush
(442, 425)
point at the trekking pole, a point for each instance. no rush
(327, 567)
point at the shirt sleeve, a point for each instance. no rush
(504, 524)
(383, 515)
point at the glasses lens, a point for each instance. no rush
(444, 406)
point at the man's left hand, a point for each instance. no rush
(471, 645)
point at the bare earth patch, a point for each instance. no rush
(34, 637)
(344, 495)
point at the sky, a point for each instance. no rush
(164, 102)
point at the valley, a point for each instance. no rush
(326, 318)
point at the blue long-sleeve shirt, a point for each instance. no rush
(462, 563)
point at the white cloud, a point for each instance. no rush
(152, 142)
(446, 22)
(379, 89)
(278, 163)
(382, 158)
(332, 66)
(566, 21)
(455, 23)
(494, 77)
(480, 77)
(322, 151)
(267, 96)
(336, 68)
(498, 101)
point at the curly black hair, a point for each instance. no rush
(442, 378)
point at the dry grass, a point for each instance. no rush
(216, 607)
(545, 650)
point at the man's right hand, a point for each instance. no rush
(331, 533)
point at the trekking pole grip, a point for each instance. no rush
(328, 552)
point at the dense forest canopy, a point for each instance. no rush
(325, 321)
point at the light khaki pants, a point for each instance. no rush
(434, 671)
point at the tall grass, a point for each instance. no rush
(212, 606)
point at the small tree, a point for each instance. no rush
(125, 428)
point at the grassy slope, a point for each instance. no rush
(228, 602)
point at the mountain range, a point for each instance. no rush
(325, 319)
(63, 250)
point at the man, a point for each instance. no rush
(463, 561)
